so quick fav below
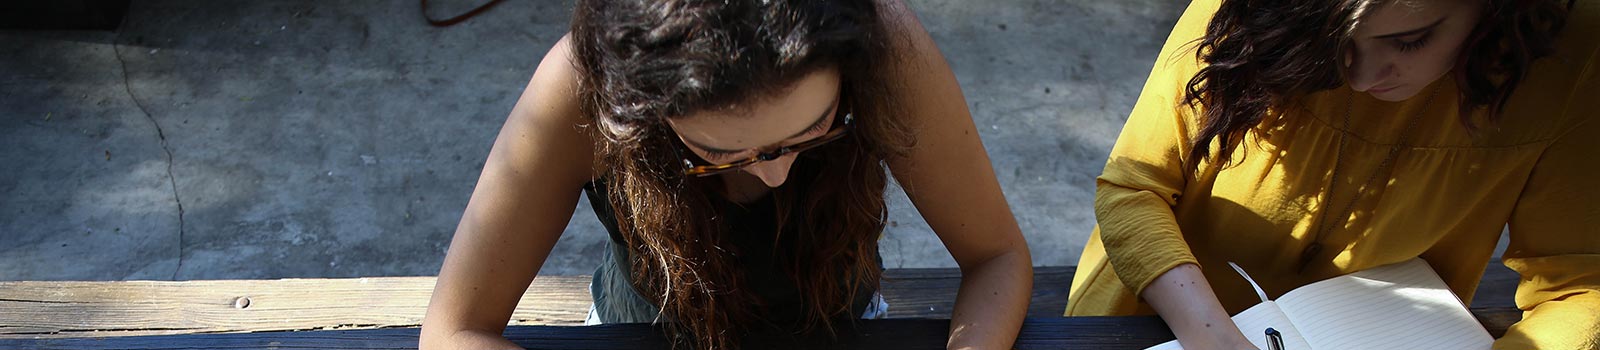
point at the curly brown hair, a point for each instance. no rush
(642, 62)
(1263, 55)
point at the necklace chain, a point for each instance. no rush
(1323, 223)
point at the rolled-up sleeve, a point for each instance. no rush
(1144, 175)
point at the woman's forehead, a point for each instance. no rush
(1399, 16)
(765, 121)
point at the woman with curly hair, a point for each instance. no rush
(737, 152)
(1306, 139)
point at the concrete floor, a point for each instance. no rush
(278, 139)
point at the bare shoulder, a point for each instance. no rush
(930, 103)
(898, 13)
(907, 37)
(547, 124)
(922, 78)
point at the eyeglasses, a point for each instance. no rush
(840, 127)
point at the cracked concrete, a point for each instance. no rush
(162, 136)
(341, 139)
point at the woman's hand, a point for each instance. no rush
(1190, 308)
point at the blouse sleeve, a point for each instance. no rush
(1555, 236)
(1144, 175)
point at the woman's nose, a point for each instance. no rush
(773, 172)
(1364, 71)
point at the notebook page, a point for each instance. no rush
(1398, 306)
(1254, 322)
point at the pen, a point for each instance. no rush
(1274, 339)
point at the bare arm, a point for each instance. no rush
(1186, 303)
(521, 204)
(949, 178)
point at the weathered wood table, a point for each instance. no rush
(1037, 333)
(383, 313)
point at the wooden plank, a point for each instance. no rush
(1497, 319)
(1129, 332)
(98, 309)
(127, 308)
(1498, 288)
(1043, 333)
(931, 293)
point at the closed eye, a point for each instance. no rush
(1413, 45)
(819, 126)
(720, 155)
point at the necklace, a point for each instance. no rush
(1323, 224)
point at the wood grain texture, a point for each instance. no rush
(1038, 333)
(931, 293)
(99, 309)
(39, 310)
(1128, 332)
(1498, 288)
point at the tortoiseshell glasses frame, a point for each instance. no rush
(840, 128)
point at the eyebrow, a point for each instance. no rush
(1413, 31)
(831, 108)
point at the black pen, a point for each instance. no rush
(1274, 339)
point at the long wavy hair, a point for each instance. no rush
(1264, 55)
(642, 62)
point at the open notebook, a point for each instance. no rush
(1399, 306)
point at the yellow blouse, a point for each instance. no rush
(1446, 197)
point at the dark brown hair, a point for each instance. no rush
(1263, 55)
(643, 61)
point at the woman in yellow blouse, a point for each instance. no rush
(1355, 134)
